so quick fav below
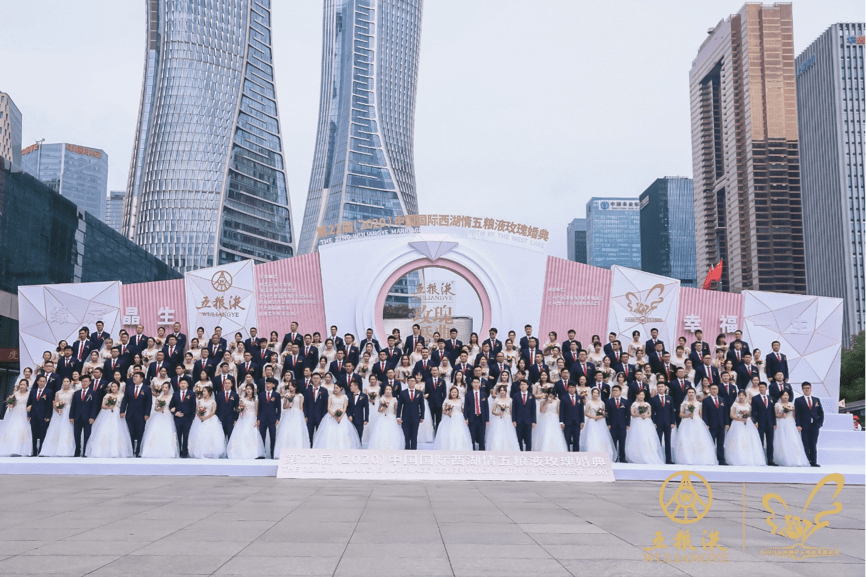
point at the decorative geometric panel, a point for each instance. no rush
(223, 296)
(643, 301)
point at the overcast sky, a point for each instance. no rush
(525, 110)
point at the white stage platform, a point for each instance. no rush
(854, 475)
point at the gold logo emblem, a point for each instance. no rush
(644, 307)
(798, 528)
(685, 505)
(221, 281)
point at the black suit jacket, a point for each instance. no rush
(409, 343)
(804, 417)
(469, 407)
(765, 417)
(664, 416)
(41, 406)
(254, 370)
(84, 408)
(270, 407)
(288, 338)
(716, 418)
(136, 408)
(225, 411)
(97, 339)
(187, 407)
(363, 344)
(571, 414)
(137, 342)
(200, 365)
(176, 356)
(65, 367)
(618, 418)
(744, 375)
(359, 408)
(411, 411)
(522, 414)
(774, 365)
(87, 346)
(111, 365)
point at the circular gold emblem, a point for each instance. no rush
(685, 504)
(221, 281)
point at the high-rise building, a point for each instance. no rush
(207, 182)
(363, 166)
(744, 152)
(613, 232)
(667, 229)
(576, 240)
(114, 209)
(10, 131)
(831, 107)
(76, 172)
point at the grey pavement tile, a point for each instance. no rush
(186, 564)
(311, 566)
(387, 565)
(807, 569)
(17, 547)
(54, 564)
(764, 569)
(427, 551)
(618, 552)
(526, 551)
(608, 568)
(172, 545)
(495, 565)
(289, 548)
(577, 526)
(86, 548)
(35, 534)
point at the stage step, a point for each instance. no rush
(841, 439)
(833, 456)
(838, 422)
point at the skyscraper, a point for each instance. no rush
(576, 240)
(831, 106)
(667, 229)
(744, 152)
(613, 232)
(76, 172)
(364, 162)
(207, 182)
(114, 209)
(10, 131)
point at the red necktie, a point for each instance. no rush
(412, 395)
(182, 395)
(809, 402)
(716, 401)
(524, 398)
(617, 402)
(82, 393)
(383, 365)
(227, 396)
(584, 368)
(425, 365)
(663, 400)
(136, 391)
(738, 356)
(80, 349)
(572, 400)
(477, 405)
(765, 402)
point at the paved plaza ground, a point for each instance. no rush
(163, 526)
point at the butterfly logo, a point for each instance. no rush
(643, 307)
(799, 528)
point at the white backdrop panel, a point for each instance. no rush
(222, 296)
(643, 301)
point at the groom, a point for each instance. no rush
(82, 413)
(268, 417)
(135, 407)
(410, 413)
(715, 415)
(664, 417)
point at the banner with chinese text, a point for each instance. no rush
(154, 305)
(575, 297)
(290, 290)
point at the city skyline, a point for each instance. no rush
(551, 149)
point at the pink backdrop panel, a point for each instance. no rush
(576, 296)
(705, 308)
(290, 290)
(158, 304)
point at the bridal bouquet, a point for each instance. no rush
(743, 414)
(338, 413)
(383, 406)
(290, 398)
(242, 407)
(447, 410)
(690, 409)
(201, 412)
(10, 401)
(599, 412)
(160, 405)
(605, 374)
(372, 396)
(548, 390)
(199, 393)
(59, 405)
(642, 410)
(786, 409)
(110, 401)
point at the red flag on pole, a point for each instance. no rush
(715, 274)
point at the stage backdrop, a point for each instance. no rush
(808, 329)
(154, 305)
(642, 301)
(576, 296)
(712, 312)
(49, 313)
(290, 290)
(222, 296)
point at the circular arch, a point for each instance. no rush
(465, 273)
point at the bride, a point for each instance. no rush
(642, 442)
(60, 438)
(292, 433)
(787, 443)
(206, 437)
(742, 442)
(596, 436)
(453, 433)
(246, 442)
(549, 437)
(160, 435)
(501, 435)
(109, 436)
(335, 431)
(694, 445)
(16, 439)
(387, 434)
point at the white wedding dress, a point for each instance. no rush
(109, 436)
(641, 440)
(206, 438)
(787, 443)
(246, 442)
(333, 435)
(292, 433)
(694, 444)
(387, 434)
(501, 435)
(453, 433)
(160, 435)
(742, 442)
(595, 437)
(373, 400)
(425, 429)
(549, 437)
(16, 439)
(60, 437)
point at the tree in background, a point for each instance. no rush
(851, 381)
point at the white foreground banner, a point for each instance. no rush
(371, 464)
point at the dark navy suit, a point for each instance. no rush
(571, 415)
(410, 409)
(225, 410)
(618, 419)
(41, 407)
(716, 419)
(477, 422)
(775, 365)
(664, 415)
(315, 408)
(186, 405)
(359, 410)
(764, 415)
(270, 409)
(82, 409)
(523, 416)
(135, 410)
(810, 420)
(635, 387)
(437, 392)
(775, 390)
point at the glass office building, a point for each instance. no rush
(363, 165)
(10, 131)
(207, 182)
(831, 107)
(114, 209)
(667, 229)
(576, 240)
(77, 172)
(613, 232)
(45, 239)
